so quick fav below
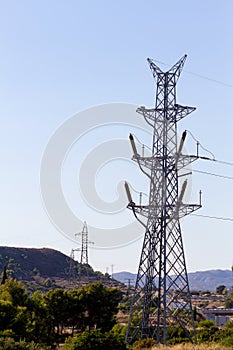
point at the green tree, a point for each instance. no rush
(13, 308)
(58, 305)
(4, 275)
(16, 290)
(76, 309)
(101, 305)
(229, 300)
(7, 314)
(40, 320)
(220, 289)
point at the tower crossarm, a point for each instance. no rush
(183, 111)
(184, 160)
(186, 209)
(152, 115)
(174, 70)
(155, 163)
(172, 211)
(148, 114)
(148, 162)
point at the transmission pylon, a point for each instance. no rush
(162, 297)
(85, 243)
(72, 264)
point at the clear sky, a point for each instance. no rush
(62, 57)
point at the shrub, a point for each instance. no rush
(95, 340)
(207, 331)
(227, 341)
(144, 344)
(11, 344)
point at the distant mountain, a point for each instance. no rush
(200, 280)
(48, 268)
(125, 277)
(209, 280)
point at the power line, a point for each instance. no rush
(213, 159)
(138, 192)
(213, 174)
(210, 79)
(199, 144)
(213, 217)
(222, 162)
(200, 76)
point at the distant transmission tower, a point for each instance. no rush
(72, 271)
(85, 243)
(162, 297)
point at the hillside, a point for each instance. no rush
(47, 269)
(200, 280)
(26, 263)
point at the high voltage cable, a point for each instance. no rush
(210, 79)
(199, 144)
(222, 162)
(213, 159)
(208, 173)
(213, 217)
(138, 192)
(200, 76)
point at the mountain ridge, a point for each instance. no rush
(47, 268)
(50, 268)
(199, 280)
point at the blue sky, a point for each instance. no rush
(59, 58)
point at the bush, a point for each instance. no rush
(144, 344)
(11, 344)
(119, 329)
(95, 340)
(207, 331)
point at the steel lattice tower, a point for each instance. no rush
(85, 243)
(162, 297)
(72, 271)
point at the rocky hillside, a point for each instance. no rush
(47, 269)
(26, 263)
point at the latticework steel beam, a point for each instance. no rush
(162, 299)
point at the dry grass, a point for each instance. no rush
(191, 347)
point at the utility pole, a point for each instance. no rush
(129, 280)
(112, 270)
(162, 296)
